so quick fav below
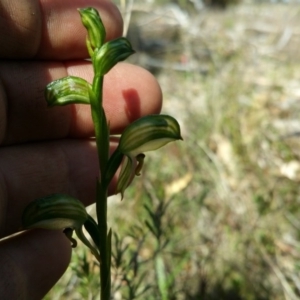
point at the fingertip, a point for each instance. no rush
(136, 93)
(31, 263)
(51, 29)
(64, 36)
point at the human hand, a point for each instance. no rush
(49, 150)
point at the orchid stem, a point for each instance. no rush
(102, 141)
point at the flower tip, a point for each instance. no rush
(81, 10)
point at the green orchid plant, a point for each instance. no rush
(63, 212)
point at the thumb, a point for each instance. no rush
(31, 263)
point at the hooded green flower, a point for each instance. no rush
(96, 32)
(68, 90)
(110, 54)
(145, 134)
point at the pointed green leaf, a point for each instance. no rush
(91, 227)
(161, 275)
(113, 164)
(149, 133)
(57, 211)
(128, 170)
(125, 175)
(110, 54)
(67, 90)
(91, 20)
(80, 234)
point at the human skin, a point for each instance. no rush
(50, 150)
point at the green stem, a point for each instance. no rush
(97, 89)
(100, 124)
(104, 244)
(102, 141)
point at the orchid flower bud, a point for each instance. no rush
(145, 134)
(96, 32)
(57, 211)
(110, 54)
(149, 133)
(68, 90)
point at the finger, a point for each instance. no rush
(32, 257)
(36, 170)
(129, 93)
(50, 29)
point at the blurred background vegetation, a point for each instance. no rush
(215, 216)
